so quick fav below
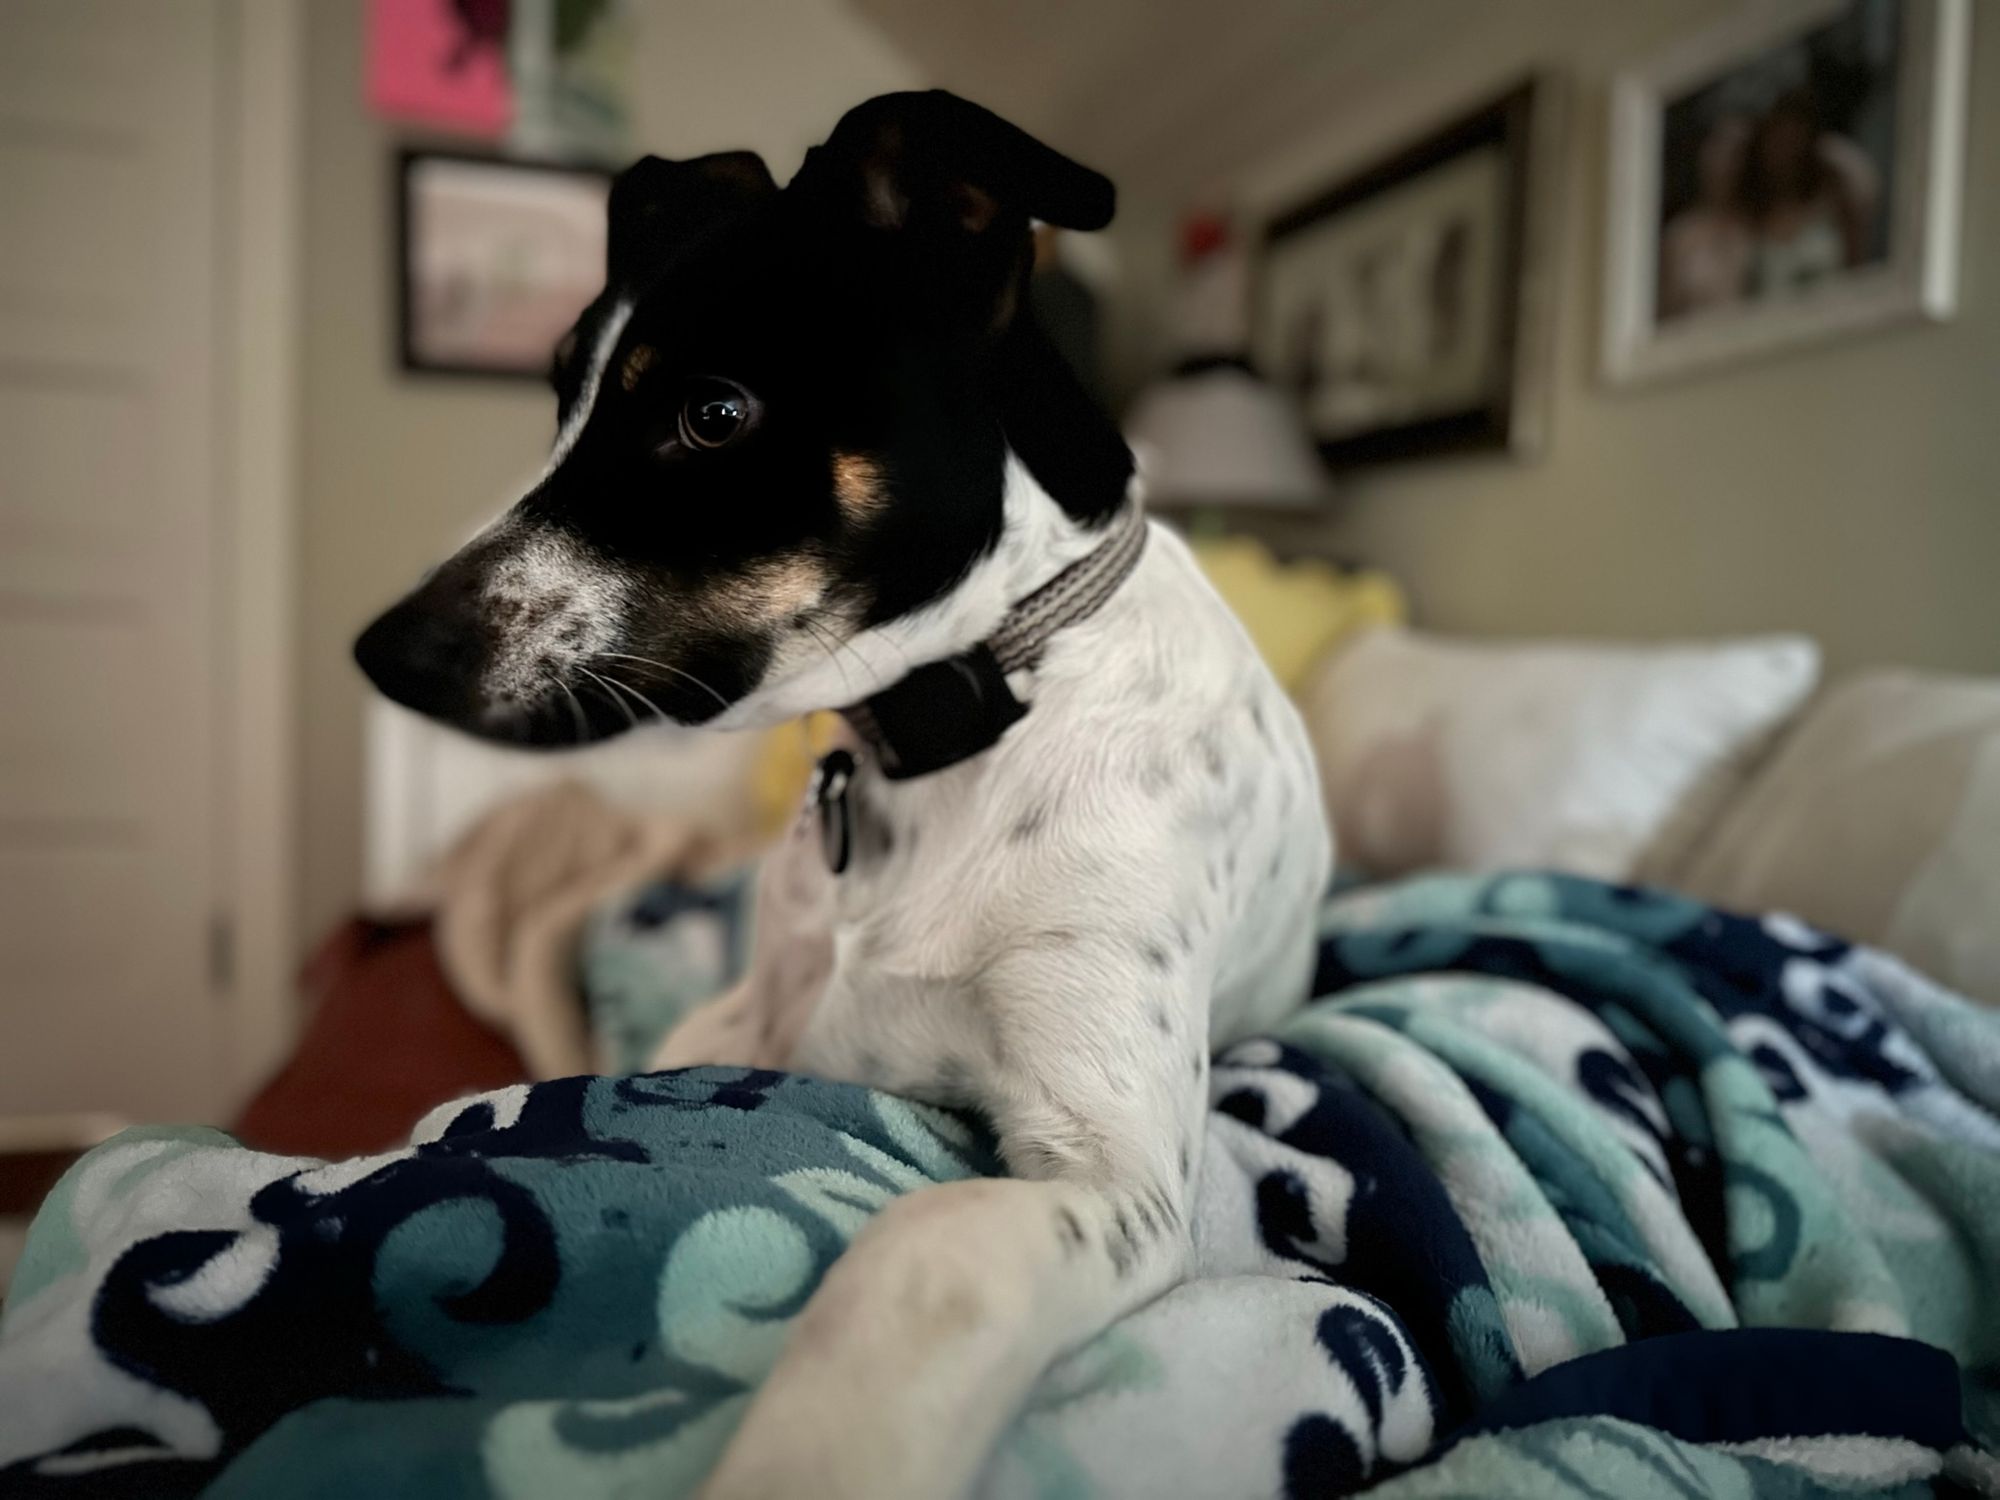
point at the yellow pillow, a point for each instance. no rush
(784, 765)
(1296, 612)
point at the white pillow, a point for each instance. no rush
(1465, 755)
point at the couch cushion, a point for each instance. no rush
(1878, 819)
(1586, 758)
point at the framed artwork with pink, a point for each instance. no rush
(441, 63)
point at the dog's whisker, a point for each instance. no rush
(827, 644)
(721, 701)
(623, 686)
(628, 656)
(848, 647)
(611, 691)
(576, 711)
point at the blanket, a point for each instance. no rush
(515, 895)
(1559, 1189)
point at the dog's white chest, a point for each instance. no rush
(1159, 801)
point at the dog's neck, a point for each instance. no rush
(945, 712)
(1038, 540)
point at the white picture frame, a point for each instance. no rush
(1914, 277)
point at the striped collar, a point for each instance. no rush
(947, 711)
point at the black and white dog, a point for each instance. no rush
(813, 454)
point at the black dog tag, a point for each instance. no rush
(836, 819)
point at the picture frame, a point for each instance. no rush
(1791, 174)
(495, 257)
(1406, 307)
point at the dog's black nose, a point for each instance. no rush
(425, 658)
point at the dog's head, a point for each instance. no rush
(783, 425)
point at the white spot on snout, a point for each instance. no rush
(552, 608)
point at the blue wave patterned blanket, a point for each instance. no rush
(1560, 1189)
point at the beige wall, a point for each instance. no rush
(1851, 490)
(397, 468)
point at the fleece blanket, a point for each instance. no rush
(1559, 1189)
(513, 896)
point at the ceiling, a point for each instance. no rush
(1179, 99)
(1170, 97)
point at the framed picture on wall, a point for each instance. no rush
(1404, 308)
(495, 259)
(1791, 174)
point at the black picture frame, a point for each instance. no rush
(1519, 121)
(407, 162)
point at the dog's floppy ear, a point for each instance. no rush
(933, 161)
(957, 180)
(659, 207)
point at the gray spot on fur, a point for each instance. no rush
(1211, 755)
(1184, 1158)
(1155, 954)
(1031, 823)
(1163, 1020)
(874, 838)
(1069, 1229)
(1124, 1245)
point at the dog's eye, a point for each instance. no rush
(715, 413)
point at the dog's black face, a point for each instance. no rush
(783, 424)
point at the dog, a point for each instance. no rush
(813, 453)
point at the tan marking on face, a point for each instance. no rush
(786, 586)
(857, 486)
(636, 364)
(770, 591)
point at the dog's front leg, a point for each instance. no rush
(925, 1338)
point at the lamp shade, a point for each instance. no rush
(1221, 436)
